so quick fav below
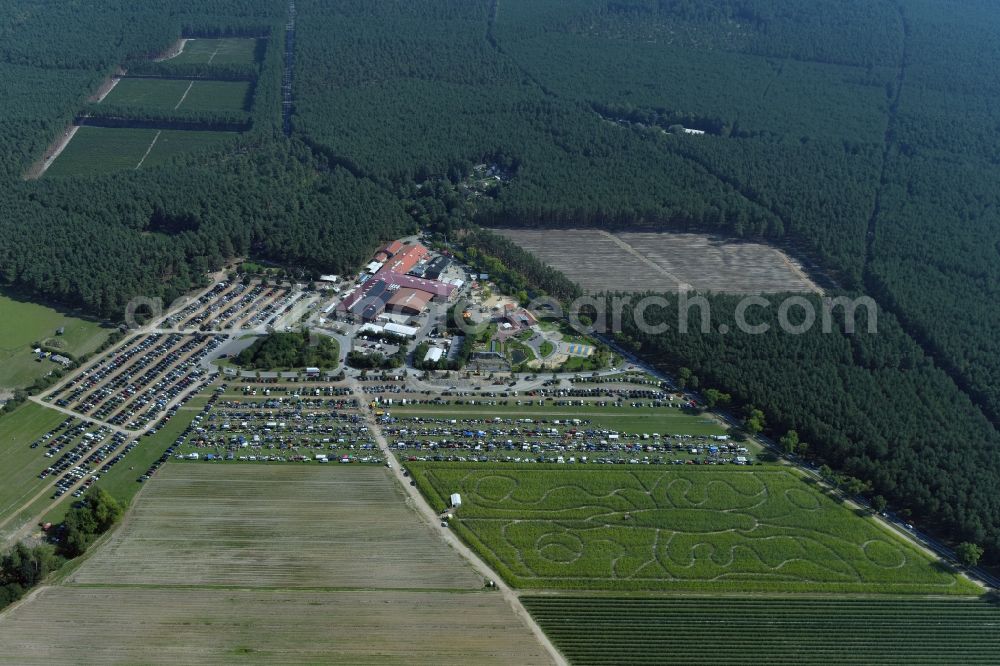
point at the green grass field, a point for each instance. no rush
(23, 323)
(20, 464)
(786, 630)
(121, 482)
(703, 529)
(176, 142)
(218, 51)
(664, 420)
(97, 150)
(167, 94)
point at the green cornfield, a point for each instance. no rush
(773, 631)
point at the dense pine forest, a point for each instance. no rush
(95, 241)
(861, 134)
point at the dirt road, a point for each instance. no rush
(424, 510)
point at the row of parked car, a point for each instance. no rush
(182, 377)
(75, 454)
(181, 319)
(95, 376)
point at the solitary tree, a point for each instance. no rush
(969, 553)
(790, 442)
(755, 421)
(879, 503)
(714, 397)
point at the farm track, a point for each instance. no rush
(270, 608)
(152, 143)
(431, 519)
(183, 97)
(54, 151)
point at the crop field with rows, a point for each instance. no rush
(693, 529)
(225, 51)
(112, 625)
(690, 631)
(275, 526)
(269, 564)
(105, 149)
(181, 94)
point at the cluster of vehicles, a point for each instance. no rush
(553, 440)
(130, 389)
(95, 376)
(56, 439)
(228, 306)
(79, 462)
(315, 423)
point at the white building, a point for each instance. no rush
(433, 355)
(399, 329)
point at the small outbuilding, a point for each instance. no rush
(456, 500)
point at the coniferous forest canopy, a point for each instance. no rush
(861, 134)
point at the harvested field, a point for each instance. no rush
(271, 564)
(185, 626)
(664, 261)
(275, 526)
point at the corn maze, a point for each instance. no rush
(699, 529)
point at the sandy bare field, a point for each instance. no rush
(663, 261)
(82, 625)
(322, 526)
(235, 563)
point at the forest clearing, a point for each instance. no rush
(174, 94)
(225, 51)
(662, 261)
(97, 150)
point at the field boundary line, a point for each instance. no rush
(149, 150)
(183, 97)
(681, 284)
(429, 517)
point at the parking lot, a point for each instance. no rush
(234, 307)
(614, 422)
(133, 387)
(274, 421)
